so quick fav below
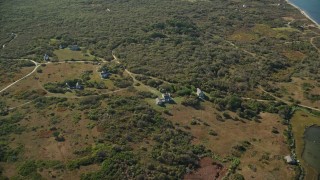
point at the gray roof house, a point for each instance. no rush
(46, 57)
(166, 98)
(105, 74)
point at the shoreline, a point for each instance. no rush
(304, 13)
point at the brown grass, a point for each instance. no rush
(208, 170)
(231, 133)
(294, 55)
(7, 80)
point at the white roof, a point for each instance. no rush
(288, 158)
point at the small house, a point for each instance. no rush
(167, 97)
(46, 57)
(105, 74)
(200, 93)
(74, 48)
(290, 160)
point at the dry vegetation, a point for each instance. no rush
(254, 67)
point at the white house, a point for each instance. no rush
(200, 93)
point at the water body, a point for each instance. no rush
(311, 153)
(311, 7)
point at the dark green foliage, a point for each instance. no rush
(56, 87)
(128, 120)
(237, 176)
(285, 112)
(44, 102)
(8, 154)
(234, 103)
(146, 94)
(10, 124)
(29, 95)
(123, 83)
(3, 108)
(184, 92)
(188, 44)
(89, 103)
(191, 101)
(213, 133)
(27, 168)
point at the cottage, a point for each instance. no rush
(200, 93)
(74, 48)
(167, 97)
(105, 74)
(46, 57)
(290, 160)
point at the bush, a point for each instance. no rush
(184, 92)
(123, 83)
(213, 133)
(191, 101)
(27, 168)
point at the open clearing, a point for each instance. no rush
(39, 143)
(9, 77)
(265, 153)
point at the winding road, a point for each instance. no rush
(287, 102)
(36, 67)
(14, 36)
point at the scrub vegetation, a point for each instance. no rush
(256, 62)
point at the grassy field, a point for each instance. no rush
(265, 153)
(300, 121)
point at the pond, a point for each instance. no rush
(311, 152)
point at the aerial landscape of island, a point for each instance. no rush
(159, 89)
